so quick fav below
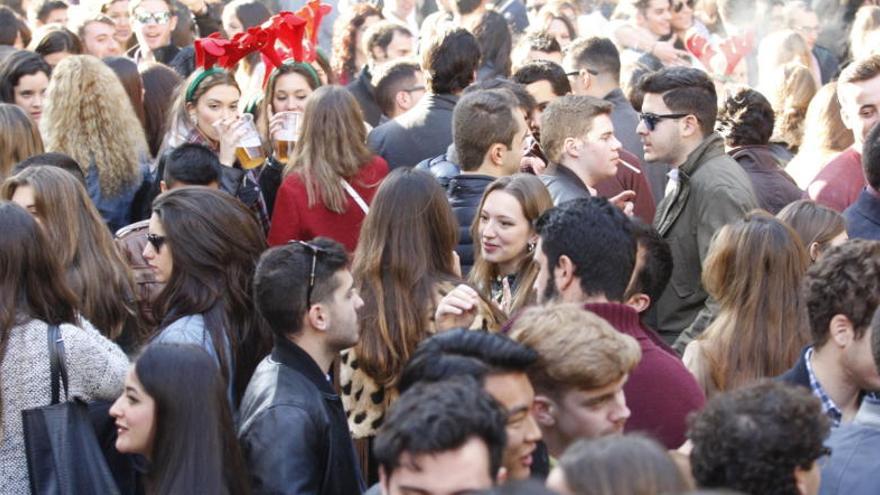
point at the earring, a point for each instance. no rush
(530, 247)
(193, 119)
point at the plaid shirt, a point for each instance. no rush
(828, 406)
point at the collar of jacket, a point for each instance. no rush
(566, 174)
(672, 204)
(869, 411)
(616, 96)
(294, 357)
(442, 100)
(469, 184)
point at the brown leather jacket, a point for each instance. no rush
(131, 241)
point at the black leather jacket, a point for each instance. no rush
(293, 430)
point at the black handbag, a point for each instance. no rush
(63, 452)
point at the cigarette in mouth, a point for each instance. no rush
(630, 166)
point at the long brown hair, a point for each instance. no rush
(215, 243)
(32, 284)
(754, 270)
(265, 107)
(824, 130)
(404, 253)
(79, 238)
(533, 198)
(813, 223)
(322, 157)
(19, 137)
(794, 89)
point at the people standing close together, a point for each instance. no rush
(477, 247)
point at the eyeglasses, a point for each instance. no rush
(578, 72)
(315, 250)
(808, 29)
(678, 6)
(414, 89)
(652, 119)
(156, 241)
(145, 18)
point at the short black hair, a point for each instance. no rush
(871, 157)
(464, 7)
(752, 439)
(53, 159)
(191, 164)
(540, 41)
(431, 418)
(525, 99)
(597, 53)
(544, 70)
(655, 272)
(42, 8)
(598, 239)
(480, 120)
(56, 39)
(282, 278)
(875, 338)
(450, 60)
(9, 25)
(685, 90)
(745, 118)
(19, 64)
(390, 79)
(465, 352)
(381, 34)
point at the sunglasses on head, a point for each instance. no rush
(314, 250)
(678, 6)
(652, 119)
(156, 241)
(152, 17)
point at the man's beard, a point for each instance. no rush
(550, 292)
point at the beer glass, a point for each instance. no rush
(285, 138)
(250, 149)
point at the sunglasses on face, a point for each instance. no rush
(156, 241)
(573, 73)
(314, 250)
(679, 6)
(652, 119)
(145, 18)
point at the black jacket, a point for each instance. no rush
(424, 131)
(798, 374)
(563, 184)
(464, 193)
(364, 92)
(293, 430)
(863, 217)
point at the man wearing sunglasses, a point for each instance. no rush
(706, 189)
(154, 21)
(293, 429)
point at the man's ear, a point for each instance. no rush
(802, 480)
(544, 410)
(162, 186)
(639, 302)
(690, 126)
(401, 99)
(318, 318)
(841, 330)
(813, 250)
(496, 153)
(571, 147)
(563, 273)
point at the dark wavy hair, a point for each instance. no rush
(195, 448)
(345, 38)
(215, 243)
(745, 118)
(160, 85)
(753, 438)
(496, 43)
(450, 60)
(14, 67)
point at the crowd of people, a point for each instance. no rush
(430, 247)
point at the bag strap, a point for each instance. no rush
(57, 364)
(355, 196)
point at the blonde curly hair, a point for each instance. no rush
(89, 116)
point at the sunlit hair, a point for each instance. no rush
(533, 199)
(794, 88)
(265, 108)
(324, 158)
(19, 137)
(813, 223)
(95, 270)
(215, 244)
(89, 117)
(776, 50)
(824, 129)
(179, 124)
(863, 35)
(754, 270)
(345, 38)
(404, 253)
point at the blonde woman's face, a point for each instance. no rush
(291, 92)
(219, 102)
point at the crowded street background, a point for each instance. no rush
(440, 247)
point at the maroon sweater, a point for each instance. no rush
(838, 184)
(660, 391)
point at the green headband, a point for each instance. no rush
(307, 66)
(194, 85)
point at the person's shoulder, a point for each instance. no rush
(187, 329)
(376, 167)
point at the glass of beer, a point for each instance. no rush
(250, 149)
(285, 138)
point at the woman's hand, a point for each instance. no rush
(230, 131)
(458, 309)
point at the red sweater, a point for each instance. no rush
(838, 184)
(660, 391)
(643, 206)
(292, 218)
